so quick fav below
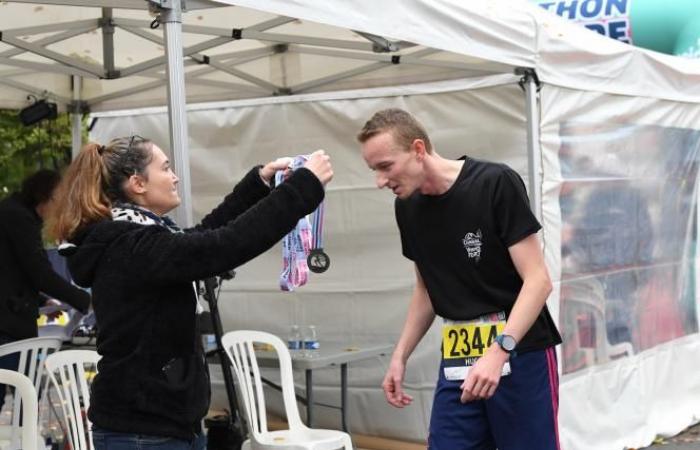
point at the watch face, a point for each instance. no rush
(508, 343)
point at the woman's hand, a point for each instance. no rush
(320, 164)
(268, 170)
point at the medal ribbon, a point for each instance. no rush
(296, 246)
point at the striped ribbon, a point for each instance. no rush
(306, 236)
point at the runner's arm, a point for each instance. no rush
(529, 262)
(420, 317)
(483, 378)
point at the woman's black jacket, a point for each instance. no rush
(152, 377)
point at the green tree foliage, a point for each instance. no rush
(24, 150)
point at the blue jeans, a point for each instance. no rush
(112, 440)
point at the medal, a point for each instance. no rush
(318, 261)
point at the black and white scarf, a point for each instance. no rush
(128, 212)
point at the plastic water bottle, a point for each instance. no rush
(311, 344)
(294, 341)
(208, 342)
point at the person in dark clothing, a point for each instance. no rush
(152, 386)
(25, 270)
(467, 226)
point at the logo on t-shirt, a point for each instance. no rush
(472, 243)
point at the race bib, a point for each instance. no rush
(464, 342)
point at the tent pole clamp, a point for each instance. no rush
(528, 74)
(379, 44)
(112, 74)
(165, 4)
(280, 48)
(166, 11)
(78, 107)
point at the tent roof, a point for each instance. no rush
(238, 49)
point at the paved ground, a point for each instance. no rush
(688, 440)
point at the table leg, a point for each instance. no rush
(309, 399)
(343, 395)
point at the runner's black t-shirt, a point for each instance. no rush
(459, 241)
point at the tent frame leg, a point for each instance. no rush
(76, 116)
(531, 85)
(170, 16)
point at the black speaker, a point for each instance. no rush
(222, 434)
(37, 112)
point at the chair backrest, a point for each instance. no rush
(71, 372)
(31, 353)
(239, 347)
(30, 406)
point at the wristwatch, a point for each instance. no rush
(507, 343)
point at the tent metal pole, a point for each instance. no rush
(157, 62)
(261, 26)
(44, 67)
(50, 54)
(124, 4)
(108, 42)
(127, 92)
(77, 116)
(244, 76)
(301, 87)
(37, 91)
(54, 38)
(530, 83)
(171, 18)
(76, 25)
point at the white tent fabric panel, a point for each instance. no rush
(364, 295)
(511, 33)
(621, 214)
(275, 55)
(306, 46)
(321, 54)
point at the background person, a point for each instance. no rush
(468, 228)
(152, 388)
(25, 270)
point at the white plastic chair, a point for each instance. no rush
(239, 347)
(26, 394)
(67, 373)
(32, 352)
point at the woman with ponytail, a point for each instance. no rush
(152, 386)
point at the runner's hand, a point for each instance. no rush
(320, 164)
(392, 385)
(484, 376)
(268, 170)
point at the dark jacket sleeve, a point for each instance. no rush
(25, 236)
(245, 194)
(161, 257)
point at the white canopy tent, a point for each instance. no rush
(297, 50)
(395, 42)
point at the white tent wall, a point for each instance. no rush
(620, 185)
(364, 296)
(605, 404)
(494, 36)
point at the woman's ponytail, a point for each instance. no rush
(80, 197)
(95, 179)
